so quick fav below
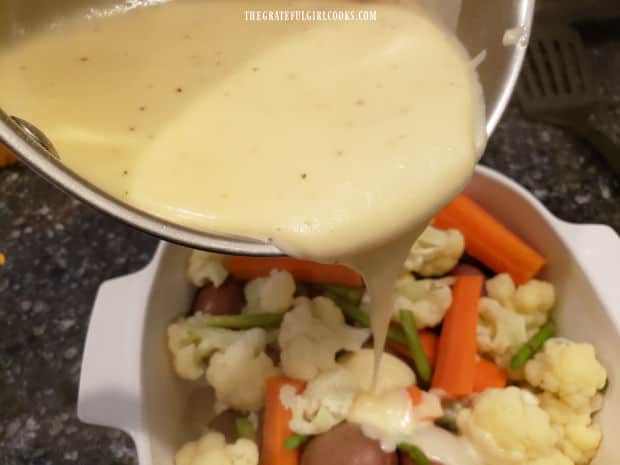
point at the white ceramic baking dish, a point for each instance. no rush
(127, 381)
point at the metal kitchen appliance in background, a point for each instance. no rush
(556, 86)
(482, 24)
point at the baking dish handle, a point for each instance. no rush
(597, 248)
(109, 393)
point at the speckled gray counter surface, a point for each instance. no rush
(58, 252)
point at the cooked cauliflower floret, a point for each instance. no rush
(212, 449)
(191, 344)
(310, 336)
(436, 252)
(579, 436)
(427, 299)
(393, 372)
(510, 315)
(270, 294)
(555, 458)
(238, 373)
(533, 299)
(206, 267)
(501, 287)
(325, 402)
(388, 416)
(567, 369)
(508, 427)
(500, 329)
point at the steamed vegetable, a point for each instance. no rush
(238, 373)
(456, 355)
(427, 299)
(227, 299)
(302, 270)
(270, 294)
(295, 441)
(532, 346)
(325, 402)
(206, 268)
(311, 335)
(213, 449)
(420, 361)
(247, 321)
(489, 375)
(276, 424)
(569, 370)
(435, 252)
(357, 315)
(415, 394)
(346, 444)
(393, 372)
(489, 241)
(245, 428)
(429, 345)
(508, 426)
(415, 453)
(580, 436)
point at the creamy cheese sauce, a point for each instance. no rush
(338, 141)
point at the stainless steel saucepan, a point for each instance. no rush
(482, 25)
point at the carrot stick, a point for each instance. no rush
(302, 270)
(415, 394)
(429, 345)
(275, 424)
(456, 351)
(489, 375)
(489, 241)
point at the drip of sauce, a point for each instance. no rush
(380, 269)
(337, 140)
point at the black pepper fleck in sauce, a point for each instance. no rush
(179, 90)
(84, 59)
(304, 175)
(131, 129)
(339, 153)
(255, 68)
(125, 172)
(142, 108)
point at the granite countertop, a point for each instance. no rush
(58, 251)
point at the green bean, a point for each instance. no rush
(245, 428)
(420, 361)
(247, 321)
(416, 454)
(295, 441)
(351, 294)
(529, 349)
